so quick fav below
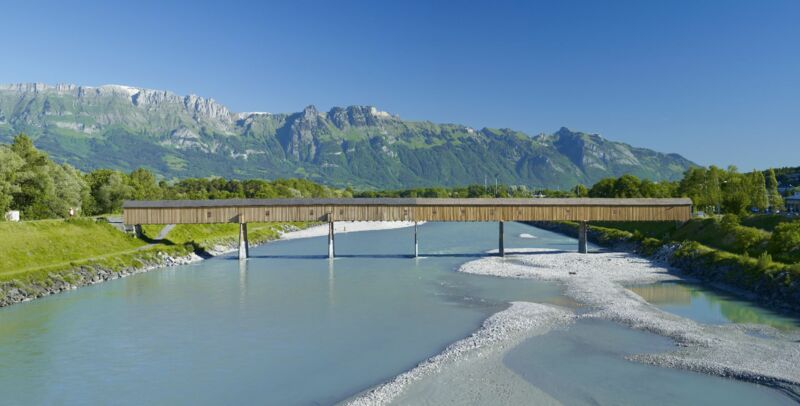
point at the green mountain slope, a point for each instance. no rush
(123, 127)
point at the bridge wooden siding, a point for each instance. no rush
(243, 211)
(284, 210)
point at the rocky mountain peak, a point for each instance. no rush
(310, 112)
(208, 108)
(357, 116)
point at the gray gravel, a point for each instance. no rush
(753, 353)
(470, 370)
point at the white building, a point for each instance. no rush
(12, 215)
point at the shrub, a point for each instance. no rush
(730, 221)
(650, 245)
(748, 238)
(795, 269)
(764, 261)
(785, 242)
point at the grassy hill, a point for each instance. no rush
(39, 253)
(751, 237)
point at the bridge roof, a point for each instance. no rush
(141, 204)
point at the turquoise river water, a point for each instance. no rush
(288, 326)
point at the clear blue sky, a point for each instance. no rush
(717, 81)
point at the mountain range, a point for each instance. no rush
(125, 127)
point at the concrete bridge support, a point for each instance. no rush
(331, 248)
(416, 241)
(583, 228)
(244, 244)
(502, 250)
(137, 231)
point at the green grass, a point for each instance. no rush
(712, 233)
(205, 236)
(709, 232)
(174, 162)
(50, 243)
(36, 254)
(655, 229)
(766, 222)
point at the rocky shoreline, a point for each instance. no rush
(13, 292)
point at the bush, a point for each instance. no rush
(650, 245)
(785, 238)
(748, 238)
(730, 221)
(795, 270)
(764, 261)
(785, 242)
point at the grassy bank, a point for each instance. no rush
(38, 258)
(206, 236)
(27, 246)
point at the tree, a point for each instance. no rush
(775, 198)
(108, 189)
(144, 185)
(10, 163)
(35, 189)
(693, 185)
(580, 190)
(70, 190)
(603, 188)
(627, 186)
(713, 191)
(758, 190)
(735, 194)
(259, 189)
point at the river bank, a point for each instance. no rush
(757, 354)
(94, 271)
(289, 327)
(772, 286)
(598, 282)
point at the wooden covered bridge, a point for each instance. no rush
(243, 211)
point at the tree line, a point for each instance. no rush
(711, 189)
(40, 188)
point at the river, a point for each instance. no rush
(288, 326)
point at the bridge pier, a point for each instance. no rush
(244, 244)
(502, 250)
(137, 231)
(416, 241)
(331, 249)
(582, 237)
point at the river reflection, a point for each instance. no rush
(706, 305)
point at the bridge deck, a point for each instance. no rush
(404, 209)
